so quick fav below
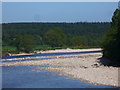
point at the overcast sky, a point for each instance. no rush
(58, 11)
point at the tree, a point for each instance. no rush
(78, 41)
(24, 43)
(55, 37)
(111, 43)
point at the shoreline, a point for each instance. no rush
(81, 79)
(59, 51)
(84, 67)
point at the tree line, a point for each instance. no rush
(56, 34)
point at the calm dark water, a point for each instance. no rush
(50, 54)
(44, 54)
(30, 77)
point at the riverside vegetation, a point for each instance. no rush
(27, 37)
(111, 41)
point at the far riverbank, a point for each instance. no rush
(58, 51)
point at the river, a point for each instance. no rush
(31, 77)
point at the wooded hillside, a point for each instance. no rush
(75, 34)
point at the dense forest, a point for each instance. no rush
(90, 32)
(111, 41)
(62, 35)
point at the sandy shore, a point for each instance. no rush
(71, 50)
(85, 67)
(59, 51)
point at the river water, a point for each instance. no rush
(31, 77)
(33, 57)
(50, 54)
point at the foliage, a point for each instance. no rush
(55, 37)
(43, 47)
(9, 49)
(24, 43)
(4, 53)
(88, 34)
(111, 42)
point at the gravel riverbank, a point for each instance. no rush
(85, 67)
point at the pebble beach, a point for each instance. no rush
(85, 67)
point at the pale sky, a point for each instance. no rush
(58, 11)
